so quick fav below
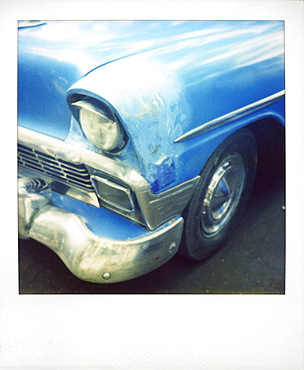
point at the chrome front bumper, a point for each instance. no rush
(88, 256)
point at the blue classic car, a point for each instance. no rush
(140, 139)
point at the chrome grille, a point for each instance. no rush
(74, 175)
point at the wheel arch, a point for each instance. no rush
(269, 134)
(211, 194)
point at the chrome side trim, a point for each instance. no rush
(232, 116)
(156, 208)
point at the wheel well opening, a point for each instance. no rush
(270, 138)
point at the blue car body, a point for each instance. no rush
(178, 89)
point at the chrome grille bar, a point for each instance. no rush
(68, 173)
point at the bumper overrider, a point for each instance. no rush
(87, 254)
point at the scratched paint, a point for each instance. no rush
(148, 102)
(161, 94)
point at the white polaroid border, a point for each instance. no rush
(152, 331)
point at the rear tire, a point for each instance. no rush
(220, 196)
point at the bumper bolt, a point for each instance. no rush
(106, 276)
(172, 247)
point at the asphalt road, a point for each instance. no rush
(253, 261)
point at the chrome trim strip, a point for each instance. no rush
(232, 116)
(156, 208)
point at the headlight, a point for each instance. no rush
(99, 124)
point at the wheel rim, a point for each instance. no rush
(223, 195)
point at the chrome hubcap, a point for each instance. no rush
(223, 194)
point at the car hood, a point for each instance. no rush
(52, 56)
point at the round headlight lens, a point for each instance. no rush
(100, 127)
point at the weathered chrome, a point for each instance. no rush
(230, 117)
(29, 205)
(222, 195)
(166, 205)
(28, 185)
(84, 196)
(156, 208)
(114, 199)
(75, 175)
(89, 256)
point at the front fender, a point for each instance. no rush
(163, 94)
(149, 102)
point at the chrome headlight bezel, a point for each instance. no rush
(99, 123)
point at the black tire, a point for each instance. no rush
(220, 196)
